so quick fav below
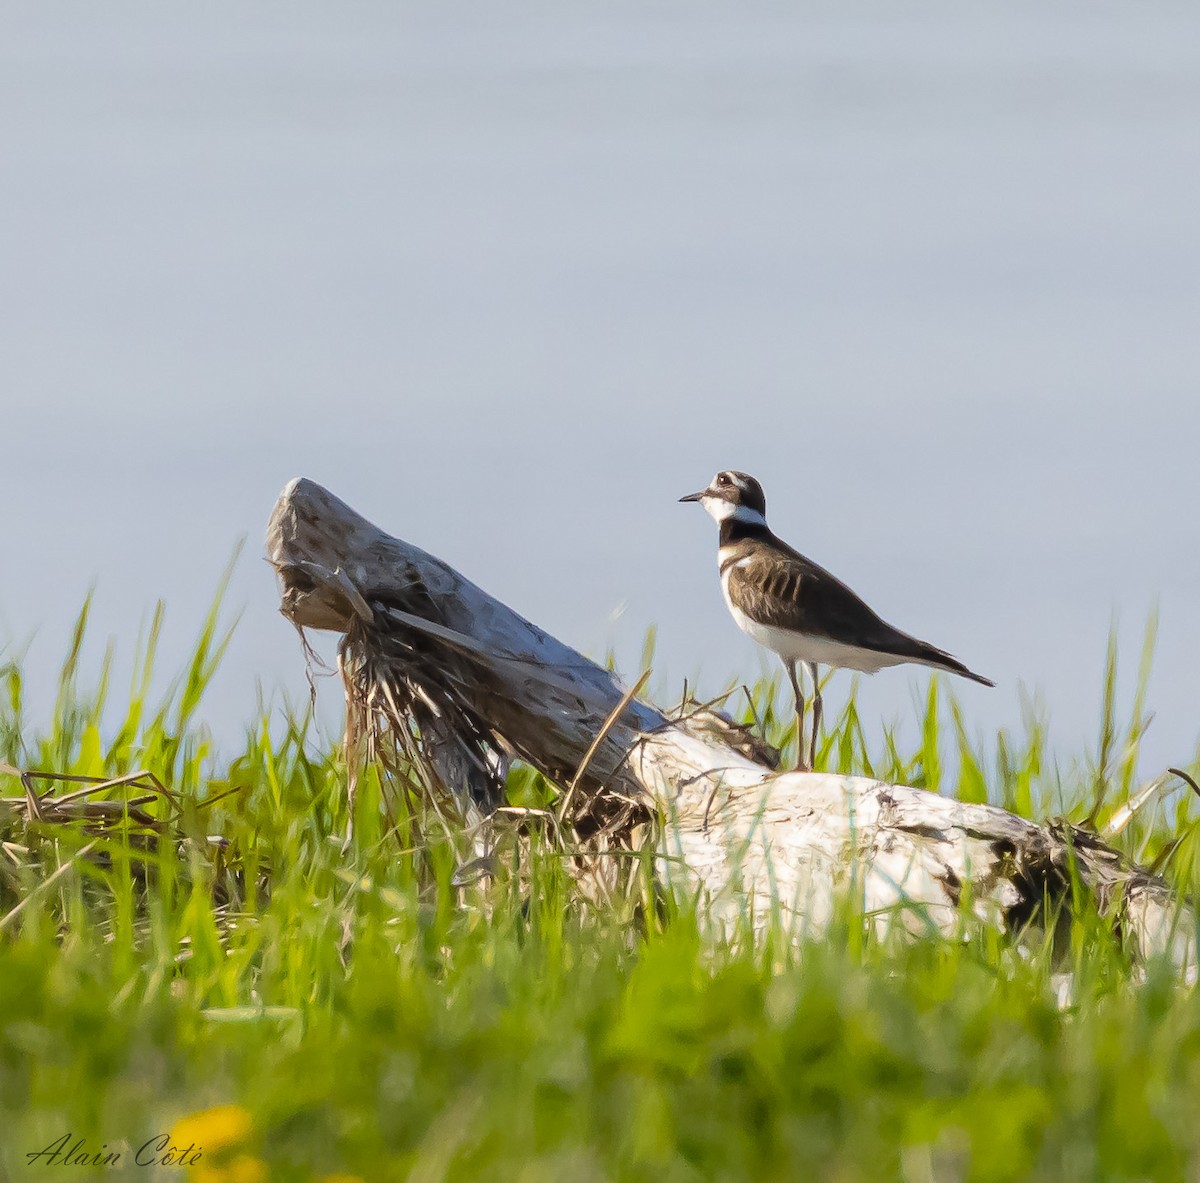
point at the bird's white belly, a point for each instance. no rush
(793, 646)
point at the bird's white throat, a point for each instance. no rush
(721, 510)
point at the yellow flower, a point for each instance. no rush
(207, 1175)
(242, 1169)
(212, 1130)
(245, 1169)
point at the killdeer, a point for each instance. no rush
(797, 609)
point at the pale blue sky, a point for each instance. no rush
(511, 278)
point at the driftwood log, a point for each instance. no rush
(480, 685)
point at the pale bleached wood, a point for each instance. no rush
(753, 844)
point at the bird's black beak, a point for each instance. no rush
(695, 496)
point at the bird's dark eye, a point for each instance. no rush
(722, 479)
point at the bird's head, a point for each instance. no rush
(733, 495)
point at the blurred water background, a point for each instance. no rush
(512, 278)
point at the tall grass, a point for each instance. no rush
(227, 969)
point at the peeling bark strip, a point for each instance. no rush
(482, 685)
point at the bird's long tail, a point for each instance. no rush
(939, 659)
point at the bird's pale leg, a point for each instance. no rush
(816, 723)
(794, 678)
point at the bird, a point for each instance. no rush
(796, 608)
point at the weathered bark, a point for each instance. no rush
(485, 684)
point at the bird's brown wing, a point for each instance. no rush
(782, 588)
